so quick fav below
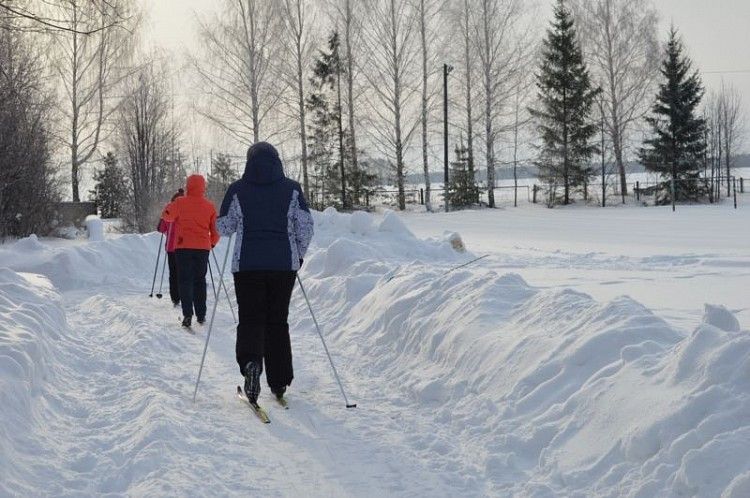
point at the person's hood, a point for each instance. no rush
(196, 185)
(263, 164)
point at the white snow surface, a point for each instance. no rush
(502, 378)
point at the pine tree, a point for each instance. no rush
(221, 177)
(110, 191)
(462, 189)
(678, 144)
(566, 98)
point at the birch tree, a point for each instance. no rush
(298, 51)
(238, 72)
(500, 53)
(90, 59)
(731, 122)
(462, 15)
(427, 12)
(350, 25)
(620, 43)
(392, 45)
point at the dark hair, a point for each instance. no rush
(179, 193)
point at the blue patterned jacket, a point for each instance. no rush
(269, 214)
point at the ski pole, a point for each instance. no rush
(211, 323)
(226, 292)
(156, 268)
(465, 264)
(161, 283)
(317, 327)
(213, 285)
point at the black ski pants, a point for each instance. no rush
(263, 330)
(174, 291)
(191, 274)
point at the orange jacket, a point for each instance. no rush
(194, 217)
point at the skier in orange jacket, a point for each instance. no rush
(194, 217)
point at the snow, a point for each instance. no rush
(593, 353)
(95, 228)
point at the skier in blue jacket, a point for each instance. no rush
(274, 227)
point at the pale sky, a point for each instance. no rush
(715, 32)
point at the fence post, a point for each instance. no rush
(421, 196)
(367, 198)
(734, 187)
(742, 185)
(534, 195)
(585, 190)
(637, 191)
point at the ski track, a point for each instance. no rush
(473, 383)
(130, 427)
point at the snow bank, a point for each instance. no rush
(543, 392)
(31, 319)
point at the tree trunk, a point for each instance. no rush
(425, 161)
(74, 125)
(341, 130)
(566, 179)
(489, 98)
(469, 120)
(350, 84)
(301, 97)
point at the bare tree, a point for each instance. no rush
(90, 66)
(621, 46)
(146, 136)
(28, 188)
(299, 49)
(463, 20)
(20, 17)
(731, 123)
(351, 32)
(427, 12)
(393, 54)
(237, 70)
(501, 51)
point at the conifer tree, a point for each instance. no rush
(676, 148)
(110, 191)
(566, 98)
(462, 189)
(339, 178)
(221, 177)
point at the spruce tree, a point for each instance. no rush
(110, 191)
(338, 178)
(678, 144)
(462, 190)
(566, 98)
(221, 177)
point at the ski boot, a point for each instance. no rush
(253, 369)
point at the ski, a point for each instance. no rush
(189, 330)
(255, 407)
(282, 401)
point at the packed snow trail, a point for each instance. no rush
(470, 383)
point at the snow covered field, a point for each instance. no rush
(578, 359)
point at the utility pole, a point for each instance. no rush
(446, 71)
(604, 184)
